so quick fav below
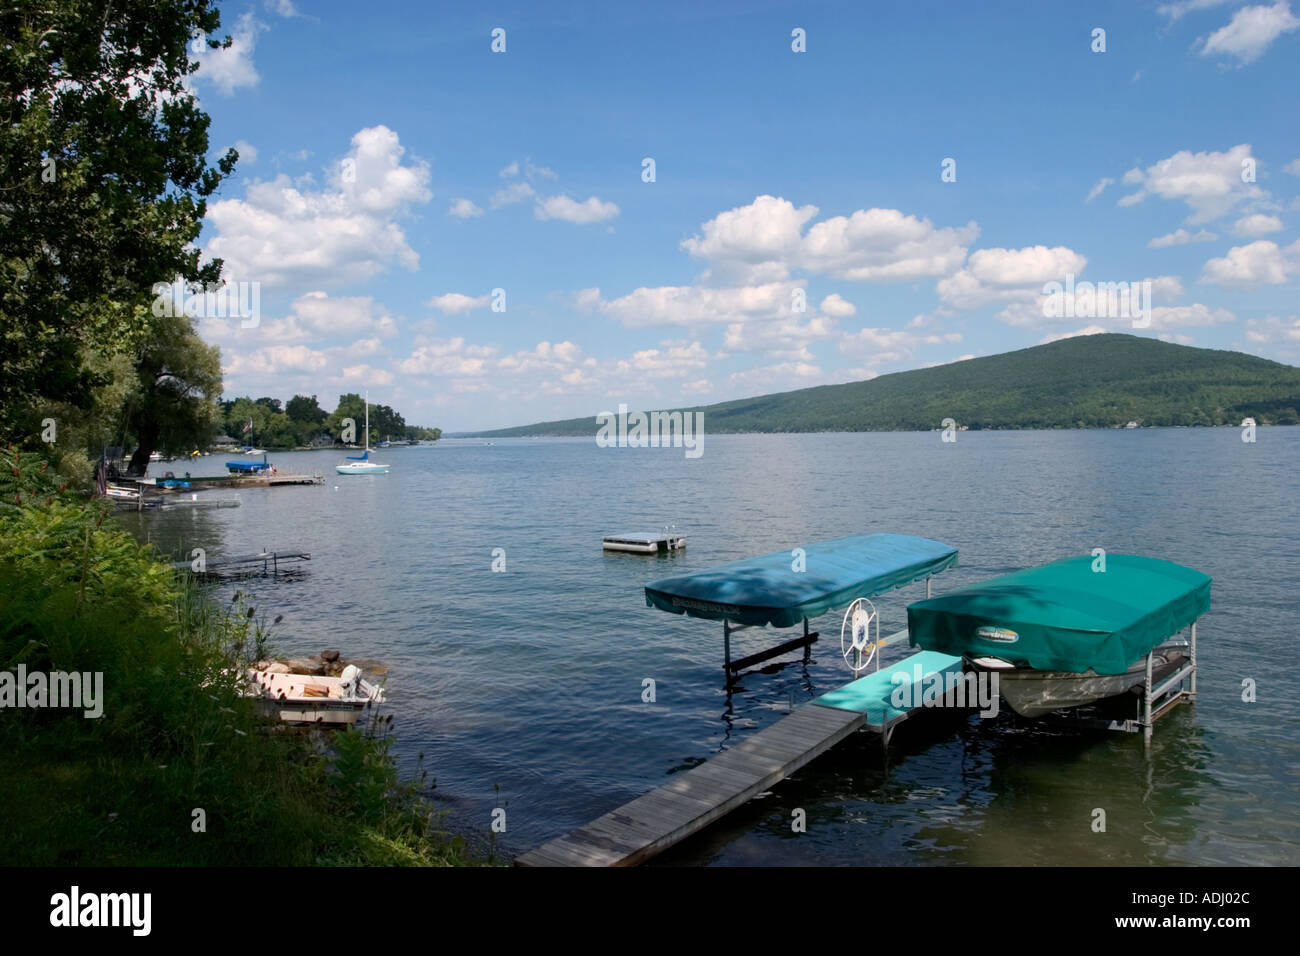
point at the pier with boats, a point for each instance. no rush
(1051, 640)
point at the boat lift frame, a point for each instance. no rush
(1156, 701)
(732, 669)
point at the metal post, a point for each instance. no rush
(928, 579)
(1192, 695)
(726, 648)
(807, 645)
(1146, 703)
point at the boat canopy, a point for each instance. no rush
(365, 456)
(768, 589)
(247, 465)
(1065, 616)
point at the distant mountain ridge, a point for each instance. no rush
(1092, 381)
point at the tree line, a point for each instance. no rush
(302, 422)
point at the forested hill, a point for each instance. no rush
(1092, 381)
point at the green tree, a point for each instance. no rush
(104, 186)
(174, 406)
(307, 410)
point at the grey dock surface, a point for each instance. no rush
(695, 798)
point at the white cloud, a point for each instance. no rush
(569, 210)
(782, 338)
(448, 357)
(1257, 225)
(1181, 237)
(837, 307)
(1250, 265)
(1008, 275)
(280, 233)
(768, 229)
(247, 151)
(764, 241)
(1177, 338)
(325, 317)
(691, 305)
(231, 68)
(464, 209)
(1250, 32)
(1273, 329)
(454, 303)
(1292, 167)
(1210, 183)
(1179, 8)
(1101, 185)
(515, 192)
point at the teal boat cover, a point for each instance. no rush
(1065, 616)
(769, 589)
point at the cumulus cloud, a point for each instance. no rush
(764, 241)
(1008, 275)
(1209, 183)
(835, 306)
(1260, 262)
(1257, 225)
(280, 233)
(1250, 32)
(231, 68)
(454, 303)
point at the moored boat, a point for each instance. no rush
(1074, 632)
(309, 699)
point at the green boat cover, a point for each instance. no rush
(1064, 616)
(769, 589)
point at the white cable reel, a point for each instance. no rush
(859, 649)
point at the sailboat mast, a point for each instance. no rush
(367, 419)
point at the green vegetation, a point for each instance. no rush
(1093, 381)
(104, 154)
(302, 422)
(79, 594)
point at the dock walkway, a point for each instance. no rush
(695, 798)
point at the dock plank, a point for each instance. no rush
(691, 800)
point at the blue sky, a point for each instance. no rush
(395, 171)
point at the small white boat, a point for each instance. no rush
(307, 699)
(361, 464)
(125, 494)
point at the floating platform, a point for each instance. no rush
(692, 800)
(644, 543)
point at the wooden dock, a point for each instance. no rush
(697, 797)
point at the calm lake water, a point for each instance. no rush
(523, 689)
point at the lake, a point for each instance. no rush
(522, 688)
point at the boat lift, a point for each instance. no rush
(788, 588)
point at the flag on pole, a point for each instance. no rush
(248, 427)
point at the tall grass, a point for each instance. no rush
(77, 593)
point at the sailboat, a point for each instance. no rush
(361, 464)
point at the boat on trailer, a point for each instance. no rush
(1068, 634)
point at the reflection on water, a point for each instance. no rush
(530, 680)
